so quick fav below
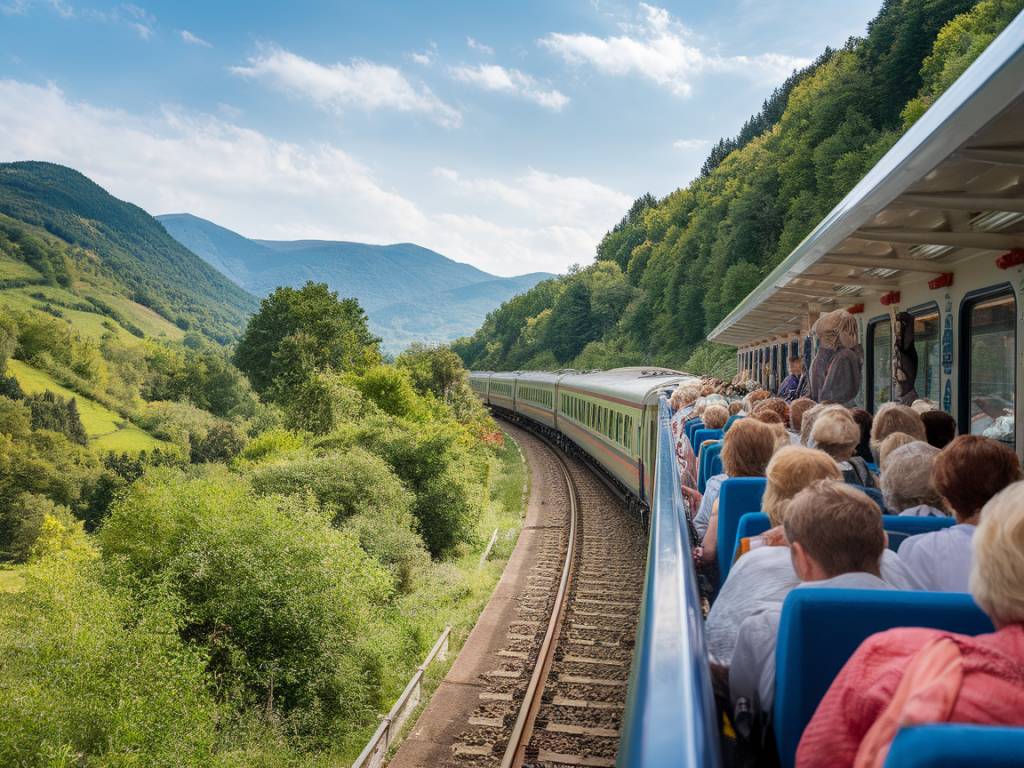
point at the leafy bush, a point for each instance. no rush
(89, 677)
(37, 526)
(286, 606)
(222, 442)
(321, 403)
(390, 389)
(272, 444)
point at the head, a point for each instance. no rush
(923, 405)
(863, 419)
(756, 397)
(715, 416)
(907, 480)
(832, 529)
(812, 415)
(796, 365)
(767, 416)
(836, 433)
(698, 407)
(776, 404)
(792, 469)
(893, 417)
(939, 427)
(747, 448)
(735, 407)
(971, 470)
(891, 443)
(997, 571)
(797, 409)
(676, 399)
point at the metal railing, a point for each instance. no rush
(670, 717)
(376, 750)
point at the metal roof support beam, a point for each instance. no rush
(947, 201)
(847, 280)
(994, 155)
(882, 262)
(996, 241)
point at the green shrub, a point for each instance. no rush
(272, 444)
(287, 607)
(390, 389)
(321, 403)
(222, 442)
(31, 517)
(91, 678)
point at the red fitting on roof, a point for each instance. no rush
(1012, 258)
(892, 297)
(942, 281)
(856, 309)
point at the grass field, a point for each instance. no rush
(10, 579)
(12, 269)
(107, 430)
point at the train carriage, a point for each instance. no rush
(535, 396)
(501, 391)
(479, 382)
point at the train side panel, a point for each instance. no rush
(535, 397)
(502, 391)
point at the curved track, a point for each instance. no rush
(558, 695)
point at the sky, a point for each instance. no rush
(508, 135)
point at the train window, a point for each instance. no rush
(989, 378)
(928, 343)
(879, 362)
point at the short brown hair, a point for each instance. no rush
(792, 469)
(747, 448)
(893, 417)
(839, 527)
(735, 407)
(715, 416)
(971, 470)
(776, 404)
(797, 409)
(767, 416)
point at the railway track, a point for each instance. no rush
(557, 699)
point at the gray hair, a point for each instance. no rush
(907, 477)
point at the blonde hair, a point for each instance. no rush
(792, 469)
(893, 417)
(997, 571)
(893, 442)
(747, 448)
(715, 416)
(836, 433)
(907, 479)
(923, 405)
(810, 416)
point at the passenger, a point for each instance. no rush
(683, 400)
(715, 416)
(837, 434)
(907, 483)
(746, 451)
(835, 540)
(893, 417)
(939, 427)
(922, 405)
(967, 472)
(807, 423)
(864, 421)
(754, 398)
(913, 676)
(797, 409)
(736, 408)
(768, 416)
(795, 385)
(891, 443)
(776, 404)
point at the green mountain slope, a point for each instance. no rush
(409, 292)
(671, 269)
(123, 245)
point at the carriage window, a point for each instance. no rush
(928, 343)
(880, 349)
(991, 337)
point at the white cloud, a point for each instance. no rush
(492, 77)
(661, 49)
(361, 84)
(476, 45)
(425, 57)
(263, 187)
(191, 39)
(136, 18)
(691, 145)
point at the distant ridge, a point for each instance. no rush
(410, 293)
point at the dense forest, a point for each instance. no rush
(671, 269)
(212, 555)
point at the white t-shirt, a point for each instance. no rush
(940, 560)
(707, 501)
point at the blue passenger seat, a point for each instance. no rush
(699, 436)
(875, 495)
(751, 524)
(951, 745)
(713, 465)
(691, 426)
(901, 528)
(738, 496)
(820, 630)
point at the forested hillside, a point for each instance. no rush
(120, 243)
(671, 269)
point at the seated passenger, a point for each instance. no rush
(807, 423)
(893, 417)
(736, 408)
(796, 384)
(967, 472)
(907, 482)
(913, 676)
(923, 405)
(836, 540)
(776, 404)
(715, 416)
(797, 409)
(864, 421)
(768, 416)
(682, 401)
(890, 444)
(939, 427)
(837, 434)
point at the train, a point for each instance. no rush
(609, 418)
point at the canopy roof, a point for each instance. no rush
(952, 187)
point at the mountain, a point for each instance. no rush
(125, 246)
(410, 293)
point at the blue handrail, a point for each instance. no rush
(670, 716)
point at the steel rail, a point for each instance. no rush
(515, 752)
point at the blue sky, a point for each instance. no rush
(507, 135)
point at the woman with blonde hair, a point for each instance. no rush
(837, 434)
(893, 417)
(913, 676)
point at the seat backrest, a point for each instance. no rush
(751, 524)
(738, 496)
(705, 458)
(875, 495)
(714, 462)
(702, 434)
(821, 628)
(956, 746)
(690, 427)
(915, 525)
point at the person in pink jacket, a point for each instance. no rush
(912, 676)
